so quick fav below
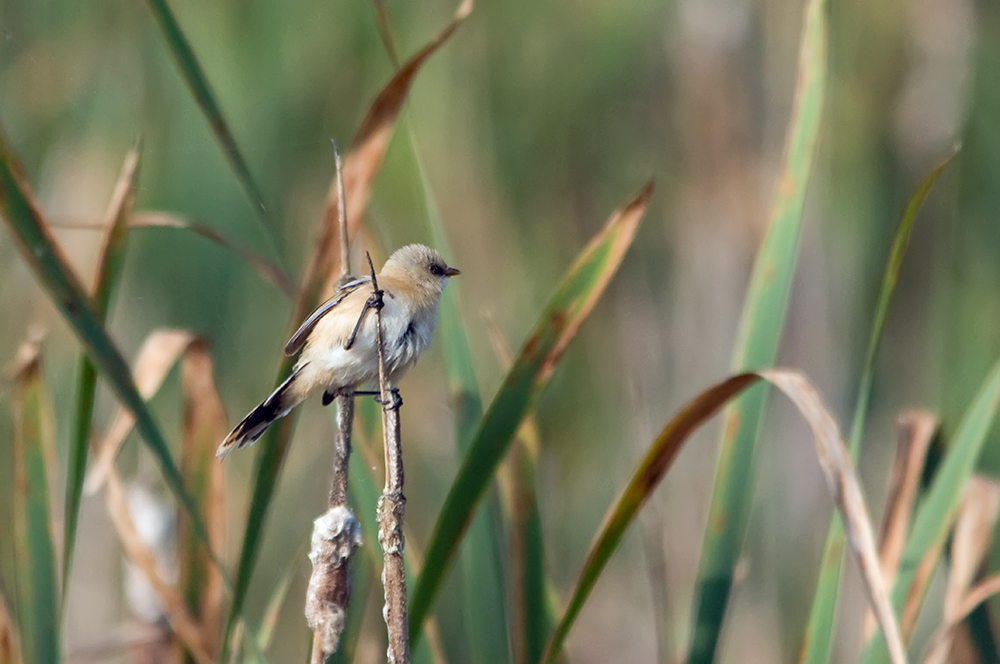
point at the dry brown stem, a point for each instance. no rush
(915, 429)
(391, 504)
(914, 432)
(337, 533)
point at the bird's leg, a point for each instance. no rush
(395, 401)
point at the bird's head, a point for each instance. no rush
(421, 266)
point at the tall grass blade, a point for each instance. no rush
(360, 167)
(760, 331)
(833, 458)
(34, 546)
(535, 620)
(574, 299)
(112, 257)
(819, 630)
(483, 588)
(42, 254)
(937, 511)
(196, 81)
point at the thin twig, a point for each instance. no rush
(392, 503)
(337, 533)
(345, 241)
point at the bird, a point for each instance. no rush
(337, 341)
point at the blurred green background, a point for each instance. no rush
(534, 122)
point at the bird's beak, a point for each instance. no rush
(451, 272)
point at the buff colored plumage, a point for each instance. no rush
(412, 281)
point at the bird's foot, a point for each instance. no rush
(374, 301)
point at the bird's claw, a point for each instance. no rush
(375, 302)
(393, 402)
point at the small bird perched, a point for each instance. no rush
(339, 349)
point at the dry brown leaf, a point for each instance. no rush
(116, 217)
(205, 425)
(158, 354)
(843, 484)
(140, 555)
(914, 431)
(969, 546)
(362, 163)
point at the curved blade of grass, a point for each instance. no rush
(760, 332)
(360, 167)
(112, 257)
(819, 631)
(644, 480)
(203, 96)
(263, 267)
(34, 547)
(483, 589)
(204, 425)
(43, 256)
(574, 299)
(833, 458)
(937, 511)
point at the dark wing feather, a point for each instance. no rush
(298, 339)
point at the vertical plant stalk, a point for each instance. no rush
(337, 533)
(392, 503)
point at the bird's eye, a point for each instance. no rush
(436, 270)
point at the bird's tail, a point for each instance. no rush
(276, 406)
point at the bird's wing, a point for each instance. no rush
(298, 339)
